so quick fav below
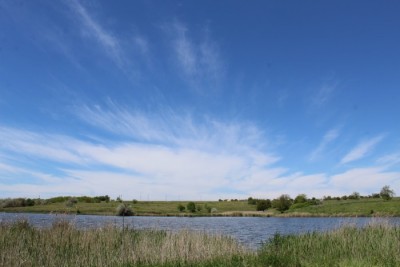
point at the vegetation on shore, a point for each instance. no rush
(379, 204)
(65, 245)
(374, 245)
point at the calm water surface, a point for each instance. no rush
(250, 231)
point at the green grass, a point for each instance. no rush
(140, 208)
(361, 207)
(64, 245)
(375, 245)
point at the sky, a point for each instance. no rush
(199, 100)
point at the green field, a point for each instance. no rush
(64, 245)
(361, 207)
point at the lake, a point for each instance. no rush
(250, 231)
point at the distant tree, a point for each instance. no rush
(302, 198)
(355, 195)
(386, 193)
(263, 204)
(181, 207)
(251, 201)
(191, 207)
(282, 203)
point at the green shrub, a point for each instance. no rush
(282, 203)
(263, 204)
(191, 207)
(124, 210)
(181, 207)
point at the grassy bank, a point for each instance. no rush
(64, 245)
(346, 208)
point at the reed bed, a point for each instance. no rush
(377, 244)
(65, 245)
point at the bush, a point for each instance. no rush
(386, 193)
(302, 198)
(181, 207)
(191, 207)
(263, 204)
(124, 210)
(355, 195)
(71, 202)
(214, 210)
(282, 203)
(17, 202)
(251, 201)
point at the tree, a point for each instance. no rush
(302, 198)
(355, 195)
(263, 204)
(181, 207)
(282, 203)
(386, 193)
(191, 207)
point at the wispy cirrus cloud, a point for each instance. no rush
(200, 61)
(329, 137)
(202, 167)
(362, 149)
(93, 29)
(171, 152)
(323, 94)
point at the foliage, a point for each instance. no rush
(191, 207)
(302, 198)
(386, 193)
(375, 245)
(124, 210)
(263, 204)
(71, 202)
(181, 207)
(64, 245)
(17, 202)
(251, 201)
(355, 195)
(282, 203)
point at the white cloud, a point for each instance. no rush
(200, 61)
(91, 28)
(364, 180)
(329, 137)
(170, 152)
(390, 160)
(362, 149)
(174, 157)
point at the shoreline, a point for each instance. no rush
(227, 214)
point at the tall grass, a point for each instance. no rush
(374, 245)
(65, 245)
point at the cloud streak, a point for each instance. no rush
(92, 29)
(200, 61)
(329, 137)
(362, 149)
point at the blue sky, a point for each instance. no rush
(199, 99)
